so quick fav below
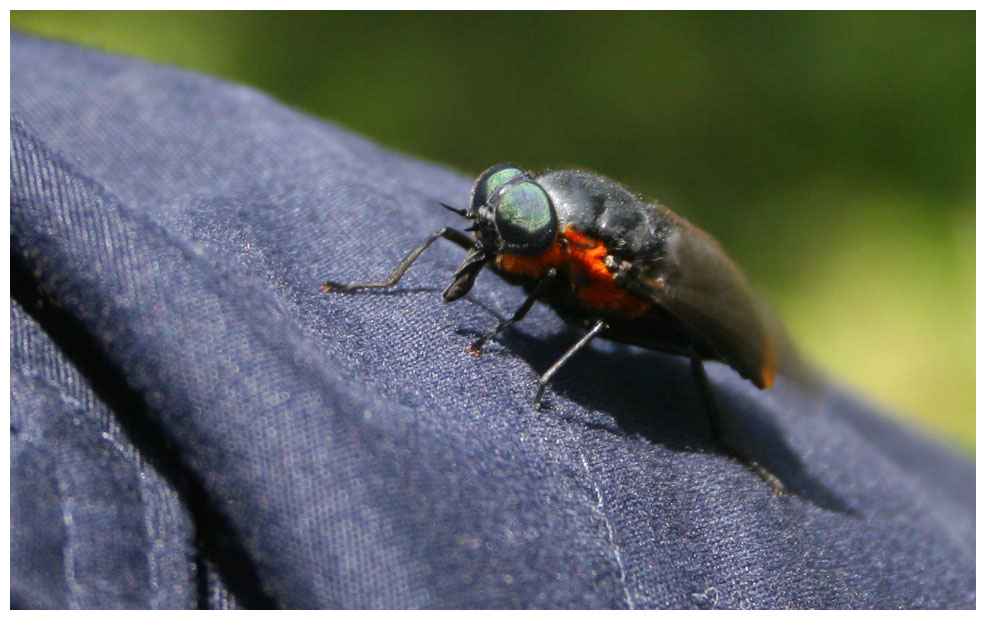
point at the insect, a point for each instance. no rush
(629, 270)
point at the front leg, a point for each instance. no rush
(453, 235)
(549, 276)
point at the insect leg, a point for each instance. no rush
(477, 347)
(453, 235)
(716, 422)
(598, 327)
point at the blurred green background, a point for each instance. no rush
(833, 154)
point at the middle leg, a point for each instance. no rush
(477, 346)
(597, 328)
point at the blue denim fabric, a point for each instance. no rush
(195, 424)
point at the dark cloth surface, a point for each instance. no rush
(195, 424)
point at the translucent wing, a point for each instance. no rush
(698, 284)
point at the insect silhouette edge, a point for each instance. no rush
(629, 270)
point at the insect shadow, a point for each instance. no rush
(634, 271)
(653, 395)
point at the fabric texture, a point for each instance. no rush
(195, 424)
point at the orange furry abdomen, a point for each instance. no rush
(581, 258)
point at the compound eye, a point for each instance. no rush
(525, 218)
(490, 181)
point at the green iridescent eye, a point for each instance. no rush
(490, 181)
(525, 218)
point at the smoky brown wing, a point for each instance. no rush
(699, 285)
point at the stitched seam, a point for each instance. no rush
(293, 337)
(599, 509)
(130, 456)
(74, 591)
(80, 407)
(68, 556)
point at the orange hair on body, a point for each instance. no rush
(583, 259)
